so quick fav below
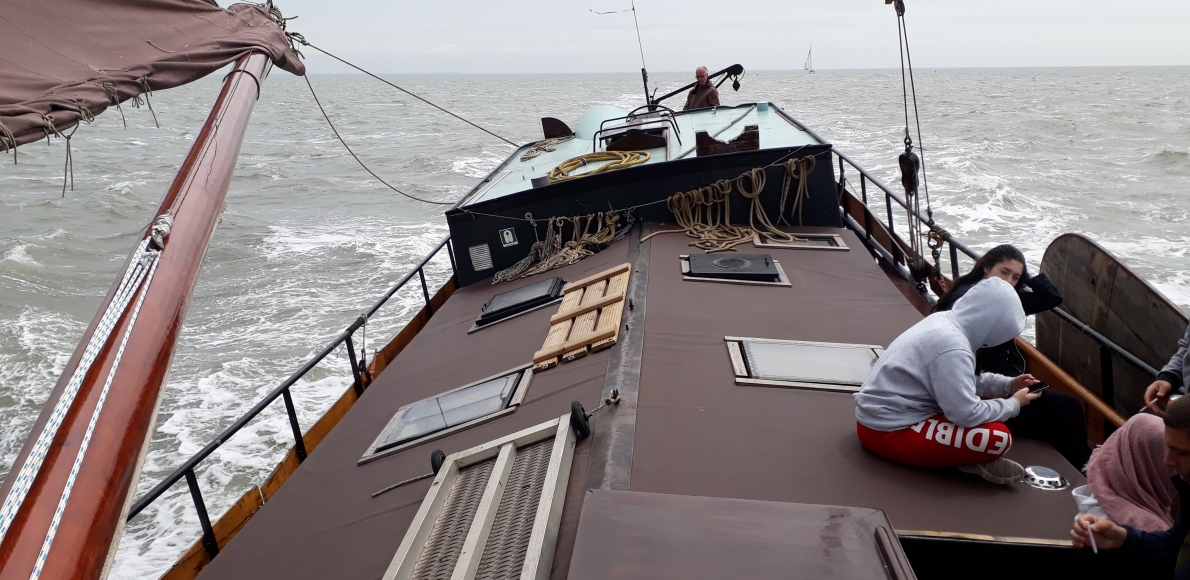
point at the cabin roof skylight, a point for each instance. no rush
(801, 364)
(452, 411)
(518, 301)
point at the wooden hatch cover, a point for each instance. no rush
(1106, 295)
(588, 319)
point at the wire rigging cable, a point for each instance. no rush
(301, 39)
(357, 159)
(911, 162)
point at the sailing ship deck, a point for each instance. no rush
(692, 430)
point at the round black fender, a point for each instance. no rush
(437, 458)
(578, 421)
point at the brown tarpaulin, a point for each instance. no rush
(61, 61)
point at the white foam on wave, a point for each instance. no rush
(35, 346)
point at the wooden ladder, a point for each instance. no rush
(588, 320)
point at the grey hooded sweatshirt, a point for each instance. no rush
(1177, 371)
(930, 368)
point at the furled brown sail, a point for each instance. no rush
(68, 60)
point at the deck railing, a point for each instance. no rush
(186, 470)
(896, 257)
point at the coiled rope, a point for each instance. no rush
(705, 213)
(618, 160)
(550, 253)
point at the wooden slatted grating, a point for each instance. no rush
(588, 320)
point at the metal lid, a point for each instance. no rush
(1045, 478)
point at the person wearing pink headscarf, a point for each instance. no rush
(1128, 478)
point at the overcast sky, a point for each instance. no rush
(564, 36)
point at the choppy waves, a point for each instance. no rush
(308, 241)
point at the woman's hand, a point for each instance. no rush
(1022, 382)
(1108, 536)
(1024, 397)
(1155, 396)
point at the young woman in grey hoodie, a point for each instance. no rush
(923, 404)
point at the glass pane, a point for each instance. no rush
(475, 410)
(421, 410)
(425, 417)
(411, 429)
(848, 365)
(495, 388)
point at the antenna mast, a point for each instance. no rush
(644, 73)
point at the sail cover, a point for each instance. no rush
(66, 60)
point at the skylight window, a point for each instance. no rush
(519, 301)
(804, 242)
(829, 366)
(452, 411)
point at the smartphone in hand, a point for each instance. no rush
(1037, 387)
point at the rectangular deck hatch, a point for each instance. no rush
(452, 411)
(519, 300)
(751, 267)
(801, 364)
(492, 511)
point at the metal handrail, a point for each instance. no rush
(186, 470)
(956, 245)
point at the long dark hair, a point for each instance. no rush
(994, 256)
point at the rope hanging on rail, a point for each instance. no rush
(911, 162)
(618, 160)
(705, 213)
(551, 253)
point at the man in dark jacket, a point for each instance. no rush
(1151, 554)
(704, 94)
(1173, 378)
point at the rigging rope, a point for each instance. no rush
(134, 275)
(911, 162)
(618, 160)
(301, 39)
(146, 266)
(357, 159)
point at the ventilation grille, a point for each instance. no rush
(438, 559)
(504, 554)
(481, 257)
(493, 511)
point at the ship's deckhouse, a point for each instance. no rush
(720, 400)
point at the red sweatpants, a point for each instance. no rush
(937, 442)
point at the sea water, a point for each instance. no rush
(308, 240)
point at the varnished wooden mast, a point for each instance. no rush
(93, 518)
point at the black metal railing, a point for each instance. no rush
(186, 470)
(896, 257)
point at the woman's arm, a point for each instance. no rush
(952, 382)
(1038, 294)
(1174, 370)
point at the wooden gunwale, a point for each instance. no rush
(94, 516)
(1095, 409)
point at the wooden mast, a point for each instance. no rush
(89, 528)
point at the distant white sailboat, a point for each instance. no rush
(810, 60)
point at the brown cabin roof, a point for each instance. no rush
(696, 432)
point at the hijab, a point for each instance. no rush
(1128, 476)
